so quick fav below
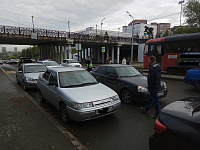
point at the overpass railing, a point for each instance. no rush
(61, 34)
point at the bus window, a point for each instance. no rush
(146, 51)
(152, 50)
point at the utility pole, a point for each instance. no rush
(132, 46)
(181, 2)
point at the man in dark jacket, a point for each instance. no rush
(153, 80)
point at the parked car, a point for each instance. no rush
(76, 94)
(130, 84)
(70, 63)
(50, 63)
(27, 74)
(12, 61)
(1, 62)
(24, 60)
(178, 126)
(192, 77)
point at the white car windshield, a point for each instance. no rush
(76, 78)
(51, 63)
(127, 71)
(34, 69)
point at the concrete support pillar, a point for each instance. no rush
(118, 53)
(92, 52)
(51, 47)
(65, 52)
(54, 53)
(98, 53)
(57, 53)
(107, 52)
(70, 51)
(113, 55)
(61, 53)
(102, 56)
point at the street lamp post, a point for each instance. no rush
(96, 29)
(69, 28)
(33, 22)
(132, 46)
(181, 2)
(102, 24)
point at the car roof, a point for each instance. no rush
(63, 69)
(68, 59)
(32, 64)
(46, 61)
(115, 65)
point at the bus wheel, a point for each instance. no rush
(170, 70)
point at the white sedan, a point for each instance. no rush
(76, 94)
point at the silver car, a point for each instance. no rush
(76, 94)
(50, 63)
(27, 74)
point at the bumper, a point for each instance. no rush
(30, 85)
(87, 114)
(144, 96)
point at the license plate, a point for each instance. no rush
(161, 94)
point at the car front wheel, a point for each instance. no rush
(24, 86)
(126, 96)
(41, 98)
(64, 113)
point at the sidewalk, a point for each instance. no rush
(23, 125)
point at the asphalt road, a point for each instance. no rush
(128, 128)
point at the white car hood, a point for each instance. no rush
(33, 75)
(88, 93)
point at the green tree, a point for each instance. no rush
(166, 33)
(182, 30)
(31, 52)
(192, 13)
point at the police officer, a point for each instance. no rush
(89, 63)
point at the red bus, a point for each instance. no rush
(176, 53)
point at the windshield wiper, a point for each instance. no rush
(89, 83)
(69, 86)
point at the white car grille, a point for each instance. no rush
(101, 103)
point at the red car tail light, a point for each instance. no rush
(159, 127)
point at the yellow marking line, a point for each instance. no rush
(10, 72)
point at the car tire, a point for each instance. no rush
(126, 96)
(41, 98)
(23, 86)
(17, 80)
(64, 114)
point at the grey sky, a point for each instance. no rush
(55, 14)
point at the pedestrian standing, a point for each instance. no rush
(89, 63)
(153, 80)
(124, 61)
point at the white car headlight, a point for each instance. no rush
(30, 79)
(142, 89)
(114, 98)
(82, 105)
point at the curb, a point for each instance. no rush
(63, 130)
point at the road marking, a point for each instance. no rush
(11, 72)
